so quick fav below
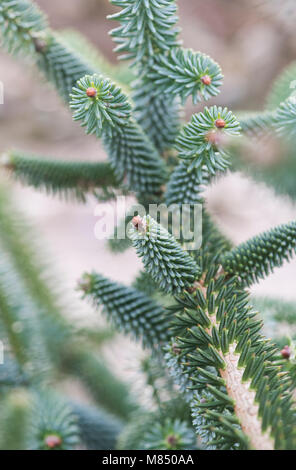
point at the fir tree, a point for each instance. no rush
(191, 310)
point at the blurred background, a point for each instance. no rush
(252, 40)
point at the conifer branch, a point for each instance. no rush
(147, 27)
(65, 178)
(241, 398)
(53, 424)
(172, 268)
(256, 258)
(130, 310)
(22, 24)
(107, 113)
(184, 73)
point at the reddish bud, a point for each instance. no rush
(53, 441)
(91, 92)
(206, 80)
(172, 440)
(138, 223)
(286, 352)
(220, 123)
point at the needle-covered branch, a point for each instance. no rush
(130, 310)
(163, 257)
(105, 111)
(257, 257)
(65, 178)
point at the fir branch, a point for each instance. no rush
(186, 185)
(158, 115)
(108, 114)
(184, 73)
(168, 264)
(53, 424)
(22, 25)
(169, 435)
(241, 398)
(147, 27)
(201, 141)
(130, 310)
(65, 178)
(256, 258)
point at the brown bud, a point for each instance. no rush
(53, 441)
(40, 44)
(220, 123)
(286, 352)
(91, 92)
(206, 80)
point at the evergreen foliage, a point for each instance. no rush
(53, 425)
(257, 257)
(213, 375)
(130, 310)
(168, 264)
(106, 114)
(66, 178)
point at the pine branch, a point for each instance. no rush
(169, 265)
(65, 178)
(184, 73)
(104, 110)
(256, 258)
(130, 310)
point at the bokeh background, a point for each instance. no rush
(252, 40)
